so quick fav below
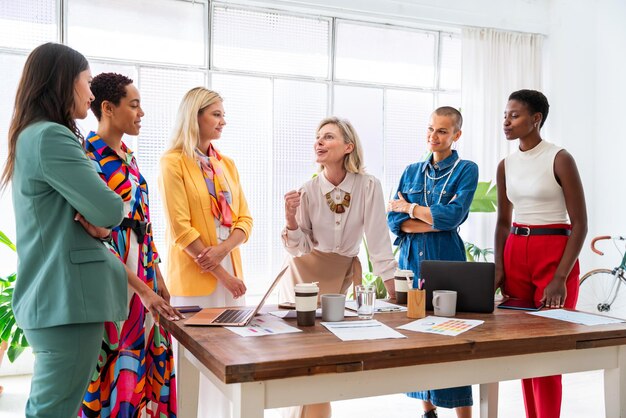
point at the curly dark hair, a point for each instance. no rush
(110, 87)
(535, 101)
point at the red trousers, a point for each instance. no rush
(529, 266)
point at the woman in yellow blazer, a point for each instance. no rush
(206, 211)
(207, 217)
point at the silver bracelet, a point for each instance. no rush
(411, 208)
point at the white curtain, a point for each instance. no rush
(495, 64)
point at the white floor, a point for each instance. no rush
(582, 398)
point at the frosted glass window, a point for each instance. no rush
(26, 24)
(247, 139)
(407, 114)
(169, 31)
(296, 116)
(450, 75)
(11, 69)
(161, 92)
(269, 42)
(363, 107)
(387, 55)
(450, 99)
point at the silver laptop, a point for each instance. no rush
(232, 317)
(473, 282)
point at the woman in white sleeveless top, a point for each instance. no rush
(537, 254)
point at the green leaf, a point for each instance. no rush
(14, 352)
(6, 241)
(485, 198)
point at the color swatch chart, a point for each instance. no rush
(442, 326)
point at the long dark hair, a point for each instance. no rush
(45, 92)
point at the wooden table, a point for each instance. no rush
(314, 366)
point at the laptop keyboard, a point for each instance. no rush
(233, 316)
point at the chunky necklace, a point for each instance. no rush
(338, 207)
(443, 190)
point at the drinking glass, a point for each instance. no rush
(365, 301)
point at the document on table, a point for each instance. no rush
(381, 306)
(291, 313)
(577, 317)
(361, 330)
(264, 325)
(442, 326)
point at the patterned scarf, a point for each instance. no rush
(217, 185)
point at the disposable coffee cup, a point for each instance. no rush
(306, 303)
(333, 307)
(403, 279)
(444, 302)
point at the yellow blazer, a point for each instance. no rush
(188, 217)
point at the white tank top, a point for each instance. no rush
(532, 187)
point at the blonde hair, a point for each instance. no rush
(186, 133)
(353, 162)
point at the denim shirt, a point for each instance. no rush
(449, 208)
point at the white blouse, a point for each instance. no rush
(326, 231)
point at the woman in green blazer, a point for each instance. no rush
(68, 282)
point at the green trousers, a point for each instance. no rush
(65, 360)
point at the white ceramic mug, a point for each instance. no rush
(333, 307)
(444, 302)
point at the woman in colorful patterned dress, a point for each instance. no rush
(136, 367)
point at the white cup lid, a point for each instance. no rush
(404, 273)
(306, 287)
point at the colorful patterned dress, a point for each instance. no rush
(136, 364)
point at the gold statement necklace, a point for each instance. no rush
(338, 207)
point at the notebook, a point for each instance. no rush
(232, 317)
(473, 282)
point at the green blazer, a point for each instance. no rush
(64, 276)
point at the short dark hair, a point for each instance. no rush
(451, 112)
(535, 101)
(110, 87)
(45, 92)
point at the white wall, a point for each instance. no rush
(585, 85)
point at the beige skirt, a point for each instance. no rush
(334, 273)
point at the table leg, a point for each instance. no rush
(488, 400)
(615, 387)
(249, 400)
(188, 381)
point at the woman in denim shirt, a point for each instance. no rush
(433, 200)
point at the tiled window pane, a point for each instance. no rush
(385, 55)
(450, 76)
(247, 139)
(296, 117)
(161, 92)
(449, 99)
(24, 24)
(407, 114)
(363, 106)
(269, 42)
(11, 70)
(140, 30)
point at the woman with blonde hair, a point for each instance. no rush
(207, 218)
(326, 220)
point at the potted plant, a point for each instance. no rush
(11, 335)
(485, 200)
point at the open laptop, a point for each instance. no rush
(232, 317)
(473, 282)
